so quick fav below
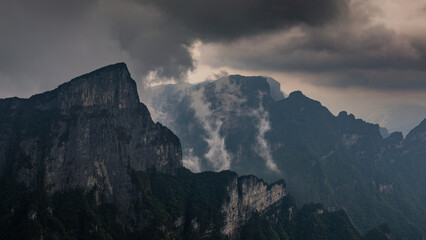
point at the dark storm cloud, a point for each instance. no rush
(334, 48)
(389, 79)
(154, 42)
(227, 20)
(350, 52)
(46, 42)
(36, 38)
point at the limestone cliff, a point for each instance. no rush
(249, 195)
(88, 132)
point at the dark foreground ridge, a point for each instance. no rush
(86, 161)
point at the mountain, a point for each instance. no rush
(219, 123)
(86, 161)
(66, 137)
(236, 123)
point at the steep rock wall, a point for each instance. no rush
(249, 195)
(86, 133)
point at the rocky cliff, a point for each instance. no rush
(86, 133)
(249, 195)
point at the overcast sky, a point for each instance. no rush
(365, 57)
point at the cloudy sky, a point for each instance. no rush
(365, 57)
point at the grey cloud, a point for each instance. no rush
(423, 9)
(350, 52)
(47, 42)
(228, 20)
(153, 41)
(264, 125)
(191, 161)
(217, 155)
(326, 49)
(389, 79)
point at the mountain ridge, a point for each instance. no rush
(341, 161)
(86, 161)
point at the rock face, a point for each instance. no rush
(416, 139)
(249, 195)
(88, 132)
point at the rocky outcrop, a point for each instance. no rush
(416, 139)
(89, 132)
(249, 195)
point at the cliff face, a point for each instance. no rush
(88, 132)
(249, 195)
(416, 139)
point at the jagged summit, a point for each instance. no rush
(417, 136)
(344, 114)
(275, 87)
(249, 86)
(300, 98)
(120, 67)
(421, 126)
(110, 86)
(297, 94)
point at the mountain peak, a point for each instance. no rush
(345, 115)
(296, 94)
(275, 89)
(423, 123)
(418, 134)
(108, 87)
(117, 68)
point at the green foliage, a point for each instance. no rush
(191, 198)
(180, 206)
(310, 222)
(375, 234)
(66, 215)
(258, 228)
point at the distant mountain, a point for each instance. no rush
(85, 161)
(236, 123)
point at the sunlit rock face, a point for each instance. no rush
(249, 195)
(88, 132)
